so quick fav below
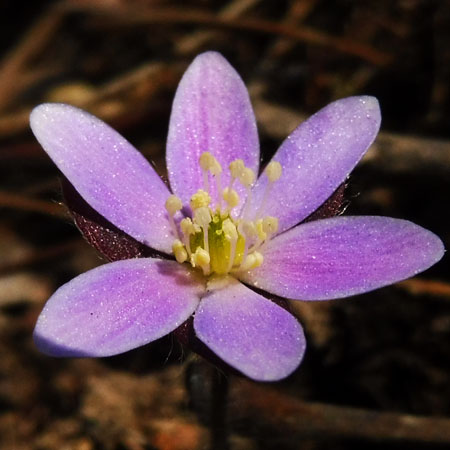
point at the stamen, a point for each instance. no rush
(270, 225)
(248, 231)
(205, 164)
(201, 258)
(261, 235)
(173, 205)
(231, 198)
(179, 251)
(202, 217)
(231, 234)
(216, 170)
(212, 240)
(200, 199)
(187, 228)
(273, 172)
(260, 230)
(236, 168)
(253, 260)
(247, 178)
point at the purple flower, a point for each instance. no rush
(227, 231)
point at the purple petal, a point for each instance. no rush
(117, 307)
(344, 256)
(211, 112)
(317, 157)
(107, 171)
(250, 333)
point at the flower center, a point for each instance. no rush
(213, 239)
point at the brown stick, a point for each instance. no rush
(41, 256)
(232, 10)
(274, 413)
(131, 16)
(418, 286)
(20, 202)
(13, 66)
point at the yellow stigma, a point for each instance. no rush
(213, 240)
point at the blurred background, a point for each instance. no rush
(376, 373)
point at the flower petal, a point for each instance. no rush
(317, 157)
(250, 333)
(117, 307)
(107, 171)
(344, 256)
(211, 112)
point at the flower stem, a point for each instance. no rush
(219, 416)
(208, 396)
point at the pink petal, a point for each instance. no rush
(117, 307)
(211, 112)
(106, 170)
(250, 333)
(344, 256)
(317, 157)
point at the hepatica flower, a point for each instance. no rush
(225, 230)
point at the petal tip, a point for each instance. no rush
(208, 57)
(45, 112)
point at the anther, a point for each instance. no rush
(236, 168)
(200, 199)
(247, 177)
(231, 197)
(202, 217)
(179, 251)
(173, 205)
(260, 230)
(270, 225)
(206, 160)
(273, 171)
(202, 259)
(253, 260)
(231, 234)
(187, 228)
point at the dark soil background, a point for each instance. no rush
(377, 370)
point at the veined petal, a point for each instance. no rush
(117, 307)
(317, 157)
(107, 171)
(211, 112)
(250, 333)
(344, 256)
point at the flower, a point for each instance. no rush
(228, 231)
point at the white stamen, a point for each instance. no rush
(231, 235)
(173, 205)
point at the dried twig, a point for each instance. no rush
(132, 17)
(20, 202)
(40, 257)
(418, 286)
(232, 10)
(13, 67)
(287, 418)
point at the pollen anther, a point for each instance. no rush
(213, 240)
(200, 199)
